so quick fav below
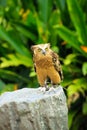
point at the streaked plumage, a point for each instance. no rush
(47, 64)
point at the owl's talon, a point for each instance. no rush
(52, 89)
(43, 89)
(39, 88)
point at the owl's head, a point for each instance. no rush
(41, 49)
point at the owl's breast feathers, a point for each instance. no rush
(44, 62)
(48, 61)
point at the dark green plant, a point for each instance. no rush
(75, 65)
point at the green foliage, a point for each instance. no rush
(84, 108)
(63, 24)
(84, 68)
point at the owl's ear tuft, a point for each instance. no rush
(33, 47)
(49, 44)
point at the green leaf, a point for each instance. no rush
(72, 88)
(77, 85)
(69, 37)
(19, 47)
(9, 87)
(84, 68)
(84, 108)
(55, 18)
(12, 76)
(25, 31)
(60, 4)
(3, 3)
(45, 8)
(2, 85)
(32, 74)
(71, 116)
(70, 58)
(15, 60)
(78, 20)
(67, 81)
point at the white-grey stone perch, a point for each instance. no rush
(31, 109)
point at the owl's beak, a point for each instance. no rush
(44, 52)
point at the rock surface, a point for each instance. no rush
(31, 109)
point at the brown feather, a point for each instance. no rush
(57, 65)
(47, 65)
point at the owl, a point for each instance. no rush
(47, 65)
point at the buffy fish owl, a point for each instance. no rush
(47, 65)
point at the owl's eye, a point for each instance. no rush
(46, 48)
(39, 49)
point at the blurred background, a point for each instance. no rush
(63, 23)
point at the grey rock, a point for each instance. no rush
(31, 109)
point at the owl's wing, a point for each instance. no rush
(57, 65)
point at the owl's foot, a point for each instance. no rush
(44, 88)
(51, 89)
